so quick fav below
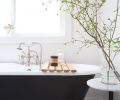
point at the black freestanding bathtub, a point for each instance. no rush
(16, 83)
(40, 87)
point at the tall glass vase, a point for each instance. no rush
(108, 74)
(109, 77)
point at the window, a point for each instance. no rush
(5, 16)
(29, 18)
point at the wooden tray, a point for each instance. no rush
(60, 68)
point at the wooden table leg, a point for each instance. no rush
(110, 95)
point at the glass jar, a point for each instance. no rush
(53, 61)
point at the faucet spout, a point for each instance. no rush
(19, 47)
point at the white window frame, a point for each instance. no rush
(66, 21)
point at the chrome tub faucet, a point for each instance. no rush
(26, 57)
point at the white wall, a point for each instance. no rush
(8, 53)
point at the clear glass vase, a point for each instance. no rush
(109, 77)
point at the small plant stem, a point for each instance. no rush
(116, 19)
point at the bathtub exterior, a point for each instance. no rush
(17, 83)
(13, 87)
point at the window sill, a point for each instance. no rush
(16, 40)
